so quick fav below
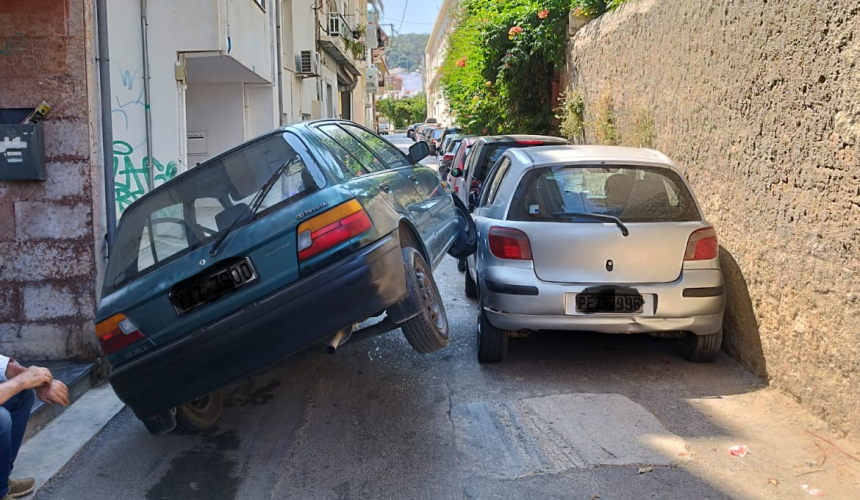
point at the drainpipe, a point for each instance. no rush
(107, 121)
(146, 93)
(280, 61)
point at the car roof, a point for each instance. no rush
(523, 137)
(561, 154)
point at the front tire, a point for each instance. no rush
(461, 265)
(427, 332)
(700, 348)
(201, 414)
(492, 341)
(471, 287)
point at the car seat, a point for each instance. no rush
(617, 190)
(228, 216)
(648, 199)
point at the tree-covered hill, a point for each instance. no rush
(407, 51)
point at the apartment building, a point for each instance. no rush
(434, 55)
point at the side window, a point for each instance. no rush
(354, 154)
(473, 157)
(495, 180)
(388, 153)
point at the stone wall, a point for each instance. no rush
(48, 249)
(759, 102)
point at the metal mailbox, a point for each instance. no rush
(22, 147)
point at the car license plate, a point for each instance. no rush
(609, 303)
(213, 286)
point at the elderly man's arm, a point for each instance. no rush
(30, 378)
(53, 391)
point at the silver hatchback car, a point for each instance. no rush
(594, 238)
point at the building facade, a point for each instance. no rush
(434, 55)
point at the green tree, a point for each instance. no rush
(403, 112)
(407, 51)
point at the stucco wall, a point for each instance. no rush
(49, 231)
(760, 103)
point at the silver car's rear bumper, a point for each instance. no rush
(519, 308)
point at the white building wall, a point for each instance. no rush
(222, 125)
(434, 56)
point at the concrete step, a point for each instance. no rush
(79, 376)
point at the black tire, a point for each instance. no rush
(467, 240)
(201, 414)
(427, 332)
(471, 287)
(461, 265)
(700, 348)
(492, 341)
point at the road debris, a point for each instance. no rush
(852, 457)
(773, 481)
(645, 470)
(739, 451)
(809, 472)
(813, 491)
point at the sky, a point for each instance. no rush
(418, 18)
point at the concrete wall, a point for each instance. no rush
(759, 102)
(51, 231)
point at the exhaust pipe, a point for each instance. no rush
(339, 338)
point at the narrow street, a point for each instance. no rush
(567, 416)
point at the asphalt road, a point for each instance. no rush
(573, 416)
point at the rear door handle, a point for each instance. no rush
(385, 187)
(413, 178)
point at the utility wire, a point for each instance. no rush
(405, 5)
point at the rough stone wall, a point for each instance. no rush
(47, 229)
(759, 102)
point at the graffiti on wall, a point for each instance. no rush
(131, 175)
(132, 181)
(13, 45)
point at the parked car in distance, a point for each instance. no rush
(427, 133)
(594, 238)
(448, 150)
(458, 182)
(410, 132)
(384, 128)
(430, 120)
(449, 131)
(486, 151)
(261, 253)
(435, 140)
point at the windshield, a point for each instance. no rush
(633, 194)
(197, 206)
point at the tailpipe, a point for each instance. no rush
(339, 338)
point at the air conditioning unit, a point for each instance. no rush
(336, 26)
(308, 63)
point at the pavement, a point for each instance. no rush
(573, 416)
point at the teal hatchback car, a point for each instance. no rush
(278, 246)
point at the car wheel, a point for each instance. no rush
(471, 287)
(492, 341)
(427, 332)
(461, 265)
(700, 348)
(200, 414)
(467, 239)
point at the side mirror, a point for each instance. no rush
(418, 152)
(456, 172)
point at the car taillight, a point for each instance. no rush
(448, 157)
(509, 243)
(530, 143)
(117, 332)
(702, 245)
(331, 227)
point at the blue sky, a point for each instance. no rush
(419, 18)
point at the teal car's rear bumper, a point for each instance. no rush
(286, 322)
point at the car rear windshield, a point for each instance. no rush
(631, 193)
(197, 206)
(493, 151)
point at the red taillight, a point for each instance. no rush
(508, 243)
(530, 143)
(331, 227)
(434, 142)
(702, 245)
(448, 157)
(456, 189)
(117, 332)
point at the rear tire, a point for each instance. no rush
(700, 348)
(201, 414)
(492, 341)
(427, 332)
(461, 265)
(471, 287)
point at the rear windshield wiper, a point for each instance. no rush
(255, 204)
(608, 218)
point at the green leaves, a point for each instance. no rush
(403, 112)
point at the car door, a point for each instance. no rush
(484, 213)
(433, 208)
(385, 176)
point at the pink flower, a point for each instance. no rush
(543, 14)
(516, 30)
(461, 63)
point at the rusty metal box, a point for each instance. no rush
(22, 147)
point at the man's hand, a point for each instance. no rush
(33, 377)
(55, 392)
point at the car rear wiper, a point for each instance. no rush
(609, 218)
(255, 204)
